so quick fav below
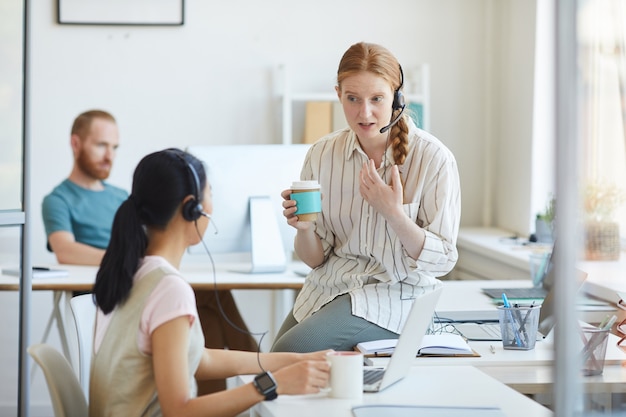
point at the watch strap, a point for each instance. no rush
(266, 390)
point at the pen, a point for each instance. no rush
(522, 327)
(610, 323)
(605, 321)
(507, 305)
(505, 301)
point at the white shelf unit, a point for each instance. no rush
(416, 90)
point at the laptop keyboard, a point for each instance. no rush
(371, 376)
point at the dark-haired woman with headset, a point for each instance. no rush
(148, 344)
(390, 214)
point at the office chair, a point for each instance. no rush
(65, 391)
(84, 315)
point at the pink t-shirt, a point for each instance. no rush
(171, 298)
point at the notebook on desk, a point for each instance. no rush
(420, 316)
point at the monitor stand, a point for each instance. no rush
(268, 252)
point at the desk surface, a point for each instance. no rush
(464, 300)
(434, 386)
(460, 299)
(492, 354)
(226, 277)
(539, 379)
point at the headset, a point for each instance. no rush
(192, 209)
(398, 103)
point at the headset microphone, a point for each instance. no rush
(208, 216)
(394, 121)
(398, 103)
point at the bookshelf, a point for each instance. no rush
(416, 92)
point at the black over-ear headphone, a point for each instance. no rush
(398, 98)
(192, 209)
(398, 103)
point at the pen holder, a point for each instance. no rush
(595, 341)
(519, 325)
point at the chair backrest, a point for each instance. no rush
(65, 391)
(84, 314)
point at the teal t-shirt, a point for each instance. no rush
(86, 213)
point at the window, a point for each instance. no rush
(602, 57)
(602, 67)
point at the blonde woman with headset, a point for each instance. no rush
(391, 206)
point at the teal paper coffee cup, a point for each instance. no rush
(308, 199)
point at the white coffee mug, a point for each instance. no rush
(346, 374)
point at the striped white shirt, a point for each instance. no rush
(364, 257)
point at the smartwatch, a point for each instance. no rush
(266, 385)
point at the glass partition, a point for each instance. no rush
(11, 104)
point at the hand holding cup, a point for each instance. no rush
(308, 199)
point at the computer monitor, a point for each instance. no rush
(246, 182)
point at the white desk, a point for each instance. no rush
(200, 276)
(492, 354)
(434, 386)
(464, 300)
(457, 297)
(529, 372)
(539, 379)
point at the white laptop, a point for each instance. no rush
(420, 316)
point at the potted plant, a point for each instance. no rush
(600, 200)
(544, 223)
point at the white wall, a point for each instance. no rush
(513, 94)
(211, 81)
